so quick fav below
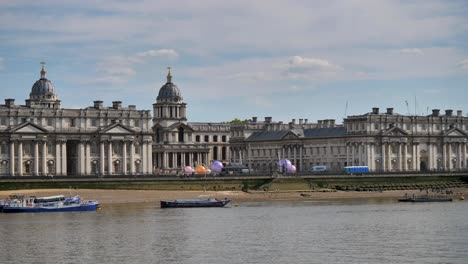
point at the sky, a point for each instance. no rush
(242, 59)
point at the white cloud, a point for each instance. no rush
(118, 69)
(414, 51)
(463, 64)
(164, 53)
(310, 68)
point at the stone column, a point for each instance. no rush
(58, 158)
(150, 158)
(20, 158)
(400, 157)
(429, 155)
(353, 150)
(417, 158)
(44, 158)
(367, 155)
(12, 158)
(449, 155)
(405, 156)
(464, 156)
(102, 158)
(459, 158)
(64, 158)
(81, 158)
(191, 159)
(110, 170)
(132, 157)
(124, 157)
(414, 157)
(88, 158)
(444, 156)
(144, 158)
(383, 156)
(36, 158)
(348, 163)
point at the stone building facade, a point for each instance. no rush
(178, 143)
(42, 139)
(386, 142)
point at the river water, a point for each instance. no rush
(356, 231)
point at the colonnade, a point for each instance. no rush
(170, 159)
(406, 156)
(42, 161)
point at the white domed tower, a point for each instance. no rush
(43, 94)
(169, 107)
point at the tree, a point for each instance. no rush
(237, 121)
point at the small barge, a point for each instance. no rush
(186, 203)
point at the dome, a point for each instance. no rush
(43, 88)
(169, 91)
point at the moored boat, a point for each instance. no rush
(58, 203)
(195, 203)
(425, 199)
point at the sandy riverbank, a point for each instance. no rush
(154, 196)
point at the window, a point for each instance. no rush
(3, 121)
(27, 149)
(94, 149)
(423, 127)
(207, 138)
(50, 122)
(4, 148)
(50, 148)
(223, 138)
(93, 122)
(376, 126)
(215, 138)
(73, 122)
(137, 149)
(137, 123)
(197, 138)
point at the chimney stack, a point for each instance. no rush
(98, 104)
(268, 119)
(459, 113)
(293, 121)
(254, 119)
(390, 111)
(301, 121)
(10, 102)
(306, 120)
(319, 123)
(375, 110)
(435, 112)
(117, 105)
(448, 112)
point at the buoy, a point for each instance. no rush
(462, 197)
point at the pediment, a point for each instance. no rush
(29, 128)
(290, 135)
(176, 126)
(118, 129)
(455, 132)
(395, 131)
